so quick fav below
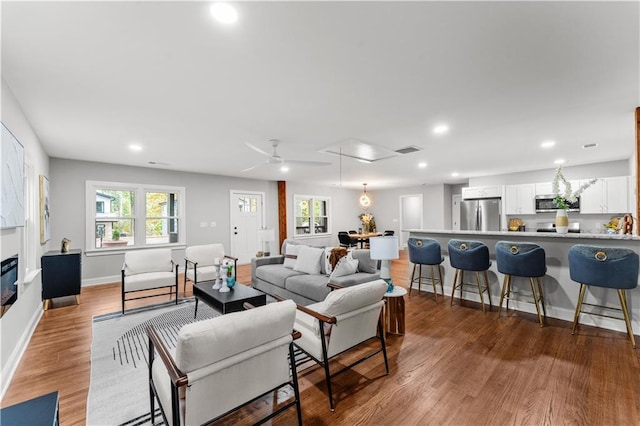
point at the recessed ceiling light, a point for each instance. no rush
(224, 13)
(559, 161)
(455, 174)
(440, 129)
(135, 147)
(589, 145)
(548, 144)
(284, 169)
(422, 165)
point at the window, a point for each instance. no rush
(124, 215)
(311, 215)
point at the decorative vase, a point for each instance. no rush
(231, 281)
(562, 222)
(218, 281)
(224, 288)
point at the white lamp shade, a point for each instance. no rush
(266, 235)
(384, 248)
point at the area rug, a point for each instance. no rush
(119, 388)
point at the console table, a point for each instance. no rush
(39, 411)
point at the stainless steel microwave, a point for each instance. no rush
(544, 204)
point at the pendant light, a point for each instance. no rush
(365, 201)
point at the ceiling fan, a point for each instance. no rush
(276, 159)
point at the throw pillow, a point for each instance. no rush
(326, 263)
(291, 255)
(337, 254)
(346, 266)
(365, 263)
(308, 260)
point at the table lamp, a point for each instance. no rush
(265, 236)
(384, 249)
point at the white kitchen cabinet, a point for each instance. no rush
(520, 199)
(481, 192)
(544, 188)
(607, 195)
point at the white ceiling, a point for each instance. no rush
(94, 77)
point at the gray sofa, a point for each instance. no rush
(268, 274)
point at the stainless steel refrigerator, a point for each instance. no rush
(480, 215)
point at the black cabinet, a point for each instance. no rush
(61, 274)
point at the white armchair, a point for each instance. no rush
(223, 363)
(199, 262)
(346, 318)
(146, 270)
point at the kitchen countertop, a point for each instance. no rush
(517, 234)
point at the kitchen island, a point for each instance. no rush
(560, 292)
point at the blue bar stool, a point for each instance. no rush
(604, 267)
(525, 260)
(425, 251)
(470, 256)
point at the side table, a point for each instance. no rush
(394, 310)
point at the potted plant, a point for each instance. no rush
(564, 198)
(115, 235)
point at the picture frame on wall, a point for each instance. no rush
(12, 182)
(45, 232)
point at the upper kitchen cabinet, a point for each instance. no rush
(474, 192)
(607, 195)
(546, 188)
(520, 199)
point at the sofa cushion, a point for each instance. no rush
(143, 261)
(205, 255)
(349, 299)
(311, 286)
(347, 265)
(365, 263)
(276, 274)
(149, 280)
(291, 255)
(353, 279)
(308, 260)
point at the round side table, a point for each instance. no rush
(394, 310)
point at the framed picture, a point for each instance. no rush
(12, 182)
(45, 232)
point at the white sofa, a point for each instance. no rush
(146, 270)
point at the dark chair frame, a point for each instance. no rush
(174, 267)
(322, 320)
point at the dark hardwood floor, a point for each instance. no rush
(454, 366)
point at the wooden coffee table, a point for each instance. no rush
(227, 302)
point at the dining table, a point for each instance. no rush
(362, 238)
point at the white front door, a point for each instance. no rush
(247, 216)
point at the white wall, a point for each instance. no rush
(207, 200)
(20, 320)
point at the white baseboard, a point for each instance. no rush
(15, 357)
(101, 280)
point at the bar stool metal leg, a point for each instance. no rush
(625, 310)
(535, 301)
(583, 288)
(453, 290)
